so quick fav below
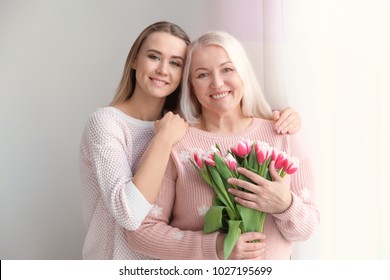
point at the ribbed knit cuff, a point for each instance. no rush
(137, 203)
(294, 208)
(209, 245)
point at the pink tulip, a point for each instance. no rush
(231, 162)
(274, 153)
(214, 149)
(280, 159)
(197, 156)
(291, 165)
(208, 158)
(243, 148)
(263, 151)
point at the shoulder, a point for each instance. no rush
(105, 122)
(265, 129)
(104, 115)
(111, 118)
(259, 122)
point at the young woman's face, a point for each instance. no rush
(159, 65)
(216, 83)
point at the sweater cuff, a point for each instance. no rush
(137, 203)
(210, 246)
(292, 211)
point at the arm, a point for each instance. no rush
(301, 219)
(168, 131)
(106, 156)
(157, 239)
(106, 173)
(291, 204)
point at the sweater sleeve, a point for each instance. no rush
(110, 156)
(300, 220)
(157, 239)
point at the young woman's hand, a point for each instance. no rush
(171, 128)
(263, 195)
(245, 249)
(286, 121)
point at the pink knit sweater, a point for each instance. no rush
(173, 228)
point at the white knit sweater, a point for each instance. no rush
(111, 148)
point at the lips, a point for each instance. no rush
(220, 95)
(159, 82)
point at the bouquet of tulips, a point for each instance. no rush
(215, 169)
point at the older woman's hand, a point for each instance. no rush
(263, 195)
(246, 248)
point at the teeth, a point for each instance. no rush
(159, 82)
(217, 96)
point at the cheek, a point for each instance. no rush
(199, 87)
(201, 96)
(176, 77)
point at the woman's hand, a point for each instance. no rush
(171, 128)
(245, 248)
(263, 195)
(287, 121)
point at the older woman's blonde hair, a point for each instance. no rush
(253, 103)
(127, 84)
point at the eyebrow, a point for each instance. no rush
(222, 64)
(160, 53)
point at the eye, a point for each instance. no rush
(153, 57)
(175, 63)
(227, 70)
(202, 75)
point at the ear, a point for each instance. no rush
(134, 64)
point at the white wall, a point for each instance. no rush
(59, 61)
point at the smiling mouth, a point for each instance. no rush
(158, 82)
(220, 95)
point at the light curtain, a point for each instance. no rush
(330, 60)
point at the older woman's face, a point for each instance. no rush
(215, 80)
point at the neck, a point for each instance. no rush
(142, 109)
(226, 124)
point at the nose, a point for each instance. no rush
(162, 68)
(217, 81)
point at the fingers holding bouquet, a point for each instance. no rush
(262, 194)
(249, 182)
(249, 246)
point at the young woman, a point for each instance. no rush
(125, 147)
(223, 103)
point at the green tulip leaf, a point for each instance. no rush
(231, 238)
(217, 201)
(219, 187)
(252, 220)
(213, 219)
(252, 160)
(221, 166)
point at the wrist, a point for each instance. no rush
(219, 245)
(163, 139)
(286, 205)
